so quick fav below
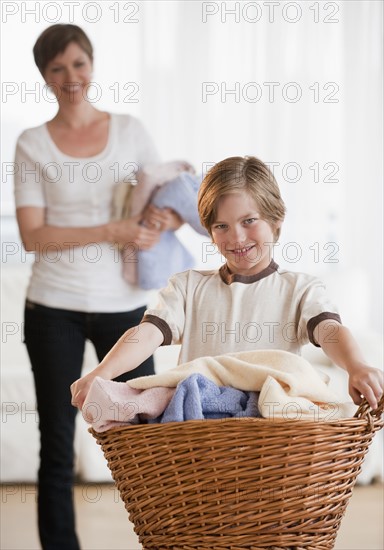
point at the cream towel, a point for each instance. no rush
(289, 386)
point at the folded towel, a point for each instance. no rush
(198, 398)
(154, 266)
(152, 176)
(109, 404)
(132, 200)
(180, 194)
(288, 384)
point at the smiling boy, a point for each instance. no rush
(249, 303)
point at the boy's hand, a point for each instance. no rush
(367, 382)
(364, 381)
(80, 389)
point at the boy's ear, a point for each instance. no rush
(276, 228)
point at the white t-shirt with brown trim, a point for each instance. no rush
(214, 312)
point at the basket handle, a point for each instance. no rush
(364, 409)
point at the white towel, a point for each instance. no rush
(289, 386)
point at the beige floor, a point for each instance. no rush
(103, 523)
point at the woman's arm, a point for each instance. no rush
(35, 233)
(134, 347)
(338, 343)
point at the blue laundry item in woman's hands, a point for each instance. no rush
(198, 398)
(169, 255)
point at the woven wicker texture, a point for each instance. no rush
(239, 483)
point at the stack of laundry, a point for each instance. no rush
(168, 185)
(272, 384)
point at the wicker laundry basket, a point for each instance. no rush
(239, 483)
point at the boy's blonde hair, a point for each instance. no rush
(236, 174)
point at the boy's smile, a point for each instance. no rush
(241, 235)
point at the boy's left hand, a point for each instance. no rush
(366, 382)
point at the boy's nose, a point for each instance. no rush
(238, 234)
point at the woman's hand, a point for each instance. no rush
(132, 230)
(367, 382)
(161, 219)
(80, 389)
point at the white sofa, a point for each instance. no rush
(19, 422)
(19, 419)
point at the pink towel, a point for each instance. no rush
(109, 404)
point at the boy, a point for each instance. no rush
(249, 303)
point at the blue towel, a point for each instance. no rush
(198, 398)
(169, 256)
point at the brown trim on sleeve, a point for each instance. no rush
(314, 321)
(229, 277)
(161, 325)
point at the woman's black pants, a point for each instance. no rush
(55, 340)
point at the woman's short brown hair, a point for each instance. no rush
(55, 39)
(236, 174)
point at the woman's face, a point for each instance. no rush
(68, 74)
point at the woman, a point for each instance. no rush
(68, 171)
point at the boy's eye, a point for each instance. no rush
(79, 64)
(219, 226)
(250, 220)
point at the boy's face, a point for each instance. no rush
(241, 236)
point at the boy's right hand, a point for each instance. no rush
(80, 389)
